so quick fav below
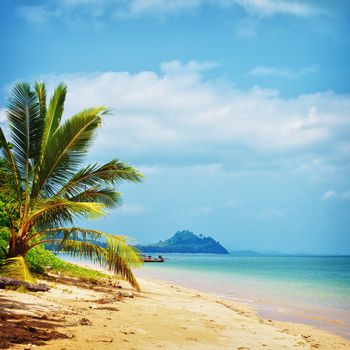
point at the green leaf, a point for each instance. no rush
(107, 196)
(55, 111)
(9, 160)
(118, 256)
(55, 211)
(110, 173)
(65, 150)
(26, 126)
(17, 268)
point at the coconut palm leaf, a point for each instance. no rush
(107, 196)
(26, 127)
(118, 246)
(41, 93)
(65, 150)
(17, 267)
(58, 210)
(51, 117)
(106, 257)
(54, 112)
(84, 249)
(10, 162)
(117, 243)
(120, 267)
(70, 233)
(111, 173)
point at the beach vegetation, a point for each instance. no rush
(44, 187)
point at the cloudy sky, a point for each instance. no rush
(236, 111)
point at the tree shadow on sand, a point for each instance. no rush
(26, 329)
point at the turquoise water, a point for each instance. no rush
(308, 289)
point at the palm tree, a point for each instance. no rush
(51, 190)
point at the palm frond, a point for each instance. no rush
(72, 233)
(107, 196)
(55, 111)
(119, 257)
(51, 117)
(65, 149)
(17, 268)
(10, 162)
(84, 249)
(108, 257)
(111, 173)
(58, 211)
(41, 94)
(26, 126)
(121, 267)
(118, 245)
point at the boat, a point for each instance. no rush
(150, 258)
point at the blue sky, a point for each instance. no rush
(237, 111)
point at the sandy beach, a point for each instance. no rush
(80, 315)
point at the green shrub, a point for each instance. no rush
(4, 239)
(41, 260)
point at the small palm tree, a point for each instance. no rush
(43, 161)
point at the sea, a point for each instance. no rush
(313, 290)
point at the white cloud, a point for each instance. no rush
(273, 7)
(331, 194)
(178, 118)
(288, 73)
(176, 67)
(130, 209)
(161, 7)
(261, 8)
(320, 167)
(83, 9)
(38, 14)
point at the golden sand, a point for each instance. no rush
(77, 315)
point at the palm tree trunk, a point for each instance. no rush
(17, 247)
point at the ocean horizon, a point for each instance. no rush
(313, 290)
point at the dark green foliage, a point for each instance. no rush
(8, 197)
(4, 221)
(39, 259)
(4, 239)
(185, 242)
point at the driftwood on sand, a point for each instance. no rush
(13, 282)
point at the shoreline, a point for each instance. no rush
(163, 316)
(289, 317)
(79, 315)
(278, 311)
(265, 305)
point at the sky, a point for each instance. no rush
(236, 111)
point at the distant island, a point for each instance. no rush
(185, 242)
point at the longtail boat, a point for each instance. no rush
(150, 258)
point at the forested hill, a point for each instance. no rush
(185, 242)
